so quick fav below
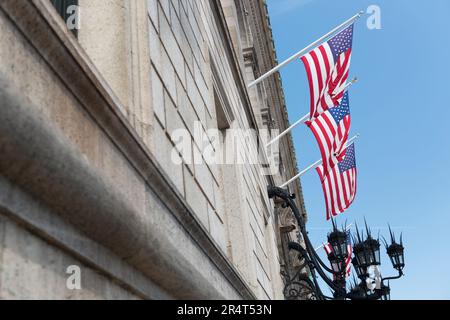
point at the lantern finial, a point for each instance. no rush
(392, 234)
(357, 233)
(334, 224)
(385, 242)
(367, 229)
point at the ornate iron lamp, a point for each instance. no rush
(366, 255)
(367, 252)
(395, 252)
(361, 271)
(374, 251)
(336, 264)
(338, 242)
(373, 247)
(361, 251)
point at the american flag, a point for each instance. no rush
(348, 261)
(339, 184)
(331, 129)
(327, 68)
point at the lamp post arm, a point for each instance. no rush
(316, 285)
(311, 261)
(313, 256)
(312, 252)
(400, 274)
(283, 194)
(319, 293)
(316, 256)
(324, 277)
(297, 247)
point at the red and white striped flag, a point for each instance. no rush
(339, 184)
(327, 68)
(331, 129)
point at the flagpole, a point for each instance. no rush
(314, 165)
(304, 118)
(306, 49)
(285, 132)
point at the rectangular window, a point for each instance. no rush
(66, 10)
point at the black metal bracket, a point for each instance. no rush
(338, 286)
(308, 253)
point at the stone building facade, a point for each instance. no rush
(93, 177)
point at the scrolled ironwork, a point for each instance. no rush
(301, 287)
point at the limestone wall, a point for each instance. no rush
(112, 200)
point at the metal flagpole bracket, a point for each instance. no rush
(285, 132)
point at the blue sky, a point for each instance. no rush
(401, 109)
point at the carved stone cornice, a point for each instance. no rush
(267, 59)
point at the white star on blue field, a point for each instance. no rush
(400, 107)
